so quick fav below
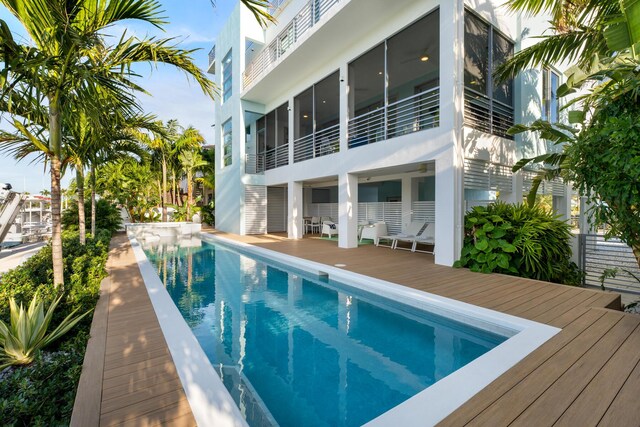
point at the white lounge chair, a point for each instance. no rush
(374, 232)
(411, 231)
(425, 237)
(329, 228)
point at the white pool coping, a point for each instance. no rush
(212, 404)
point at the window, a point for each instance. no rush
(227, 143)
(393, 88)
(316, 110)
(272, 137)
(488, 102)
(227, 78)
(550, 82)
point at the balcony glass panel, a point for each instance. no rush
(303, 114)
(502, 51)
(366, 82)
(413, 63)
(476, 53)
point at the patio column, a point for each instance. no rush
(347, 210)
(345, 99)
(407, 198)
(295, 208)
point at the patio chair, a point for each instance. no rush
(314, 225)
(374, 231)
(425, 237)
(412, 230)
(329, 228)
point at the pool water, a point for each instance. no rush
(296, 350)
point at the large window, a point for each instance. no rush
(227, 77)
(316, 112)
(272, 138)
(393, 88)
(227, 143)
(488, 101)
(550, 82)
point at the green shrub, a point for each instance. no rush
(107, 216)
(43, 393)
(518, 240)
(209, 213)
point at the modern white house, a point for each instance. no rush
(373, 110)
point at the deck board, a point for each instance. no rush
(588, 374)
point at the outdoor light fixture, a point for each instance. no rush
(306, 116)
(424, 58)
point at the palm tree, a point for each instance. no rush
(190, 161)
(67, 57)
(578, 33)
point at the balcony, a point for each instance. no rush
(318, 144)
(309, 16)
(412, 114)
(270, 159)
(487, 115)
(212, 60)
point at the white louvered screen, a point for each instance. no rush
(423, 211)
(324, 210)
(483, 175)
(276, 209)
(389, 212)
(501, 178)
(558, 187)
(476, 174)
(255, 209)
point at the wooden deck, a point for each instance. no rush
(588, 374)
(128, 377)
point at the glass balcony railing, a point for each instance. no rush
(309, 16)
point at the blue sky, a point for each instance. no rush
(195, 23)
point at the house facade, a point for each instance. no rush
(342, 111)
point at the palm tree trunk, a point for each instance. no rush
(82, 228)
(189, 194)
(173, 189)
(636, 252)
(164, 189)
(93, 200)
(55, 144)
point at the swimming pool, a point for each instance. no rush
(294, 347)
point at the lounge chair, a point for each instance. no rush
(412, 230)
(329, 228)
(374, 232)
(424, 237)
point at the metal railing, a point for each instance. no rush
(598, 254)
(254, 163)
(309, 16)
(276, 157)
(318, 144)
(486, 114)
(212, 57)
(412, 114)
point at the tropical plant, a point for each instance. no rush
(518, 240)
(604, 166)
(190, 161)
(67, 58)
(26, 334)
(107, 216)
